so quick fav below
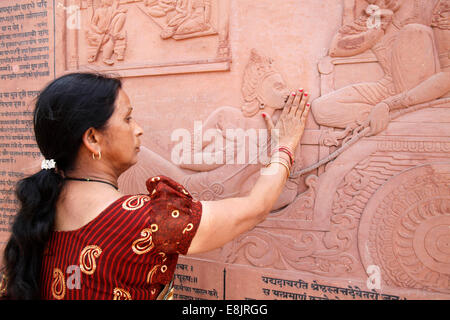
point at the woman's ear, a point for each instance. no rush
(91, 140)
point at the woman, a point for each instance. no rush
(77, 237)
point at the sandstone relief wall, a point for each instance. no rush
(366, 211)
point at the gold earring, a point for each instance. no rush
(99, 155)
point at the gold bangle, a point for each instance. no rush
(278, 155)
(282, 163)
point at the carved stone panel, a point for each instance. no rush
(136, 37)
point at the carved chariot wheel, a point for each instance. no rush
(405, 229)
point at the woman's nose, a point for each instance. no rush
(139, 130)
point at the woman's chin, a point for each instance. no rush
(131, 163)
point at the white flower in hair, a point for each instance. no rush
(48, 164)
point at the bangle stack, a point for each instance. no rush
(283, 161)
(288, 152)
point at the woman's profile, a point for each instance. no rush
(77, 236)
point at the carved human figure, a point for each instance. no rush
(199, 16)
(182, 16)
(406, 48)
(161, 7)
(265, 91)
(106, 32)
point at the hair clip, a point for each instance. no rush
(48, 164)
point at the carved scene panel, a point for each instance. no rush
(143, 37)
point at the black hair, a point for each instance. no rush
(65, 109)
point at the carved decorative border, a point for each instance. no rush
(400, 225)
(143, 69)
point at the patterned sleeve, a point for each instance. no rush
(175, 215)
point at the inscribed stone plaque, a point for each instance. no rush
(27, 61)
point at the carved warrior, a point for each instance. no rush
(183, 17)
(106, 32)
(264, 90)
(405, 45)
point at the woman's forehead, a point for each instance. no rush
(123, 103)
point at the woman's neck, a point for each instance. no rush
(93, 173)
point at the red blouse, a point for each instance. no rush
(129, 251)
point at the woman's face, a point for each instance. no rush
(273, 91)
(121, 141)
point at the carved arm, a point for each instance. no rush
(362, 34)
(433, 88)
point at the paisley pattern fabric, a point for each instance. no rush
(129, 251)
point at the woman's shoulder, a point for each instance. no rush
(173, 215)
(161, 189)
(161, 192)
(161, 184)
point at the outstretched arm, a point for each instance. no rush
(350, 45)
(433, 88)
(224, 220)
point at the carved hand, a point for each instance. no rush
(378, 118)
(291, 124)
(386, 16)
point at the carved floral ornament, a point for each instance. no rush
(405, 229)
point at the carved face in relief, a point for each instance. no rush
(273, 91)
